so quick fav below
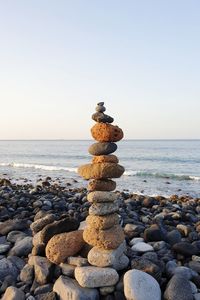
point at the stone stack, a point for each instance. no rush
(103, 231)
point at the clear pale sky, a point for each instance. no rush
(58, 58)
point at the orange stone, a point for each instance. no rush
(105, 158)
(100, 171)
(104, 132)
(63, 245)
(102, 222)
(104, 239)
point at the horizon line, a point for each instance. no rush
(139, 139)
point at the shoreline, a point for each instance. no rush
(168, 228)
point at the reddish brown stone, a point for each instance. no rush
(104, 239)
(101, 171)
(104, 132)
(101, 185)
(105, 158)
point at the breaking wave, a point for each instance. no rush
(161, 175)
(36, 166)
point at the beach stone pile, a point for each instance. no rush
(103, 231)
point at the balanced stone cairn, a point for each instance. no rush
(103, 231)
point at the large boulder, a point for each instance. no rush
(63, 245)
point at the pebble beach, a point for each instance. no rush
(161, 234)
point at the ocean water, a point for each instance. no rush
(153, 167)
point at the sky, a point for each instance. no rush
(58, 58)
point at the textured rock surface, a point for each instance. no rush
(42, 268)
(102, 132)
(7, 267)
(101, 196)
(101, 185)
(105, 158)
(102, 222)
(106, 239)
(13, 293)
(101, 209)
(102, 148)
(92, 277)
(139, 285)
(63, 245)
(178, 288)
(68, 289)
(101, 171)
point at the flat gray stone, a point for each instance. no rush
(68, 289)
(109, 258)
(139, 285)
(93, 277)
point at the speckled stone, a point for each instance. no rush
(63, 245)
(104, 132)
(105, 239)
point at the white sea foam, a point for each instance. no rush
(36, 166)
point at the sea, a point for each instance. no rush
(152, 167)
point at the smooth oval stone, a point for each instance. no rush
(92, 277)
(178, 288)
(104, 132)
(102, 209)
(105, 158)
(105, 239)
(101, 185)
(100, 196)
(100, 108)
(185, 248)
(139, 285)
(102, 148)
(100, 103)
(103, 222)
(101, 171)
(102, 118)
